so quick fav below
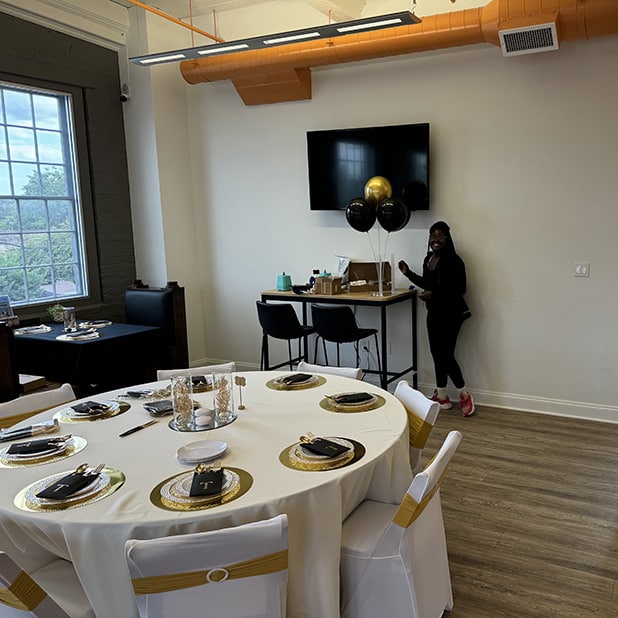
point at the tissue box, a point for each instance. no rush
(368, 272)
(328, 285)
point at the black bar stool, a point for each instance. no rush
(337, 324)
(279, 320)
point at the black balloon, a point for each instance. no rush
(360, 214)
(392, 214)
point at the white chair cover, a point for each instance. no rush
(347, 372)
(53, 591)
(394, 559)
(422, 416)
(258, 592)
(166, 374)
(16, 410)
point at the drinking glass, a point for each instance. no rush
(69, 319)
(182, 402)
(223, 397)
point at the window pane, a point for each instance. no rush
(62, 248)
(17, 108)
(39, 283)
(53, 181)
(26, 179)
(4, 153)
(60, 214)
(9, 220)
(5, 179)
(46, 112)
(36, 249)
(33, 215)
(21, 144)
(12, 284)
(50, 147)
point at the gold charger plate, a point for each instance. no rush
(114, 409)
(27, 501)
(327, 404)
(245, 481)
(75, 445)
(278, 386)
(289, 459)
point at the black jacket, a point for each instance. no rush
(447, 283)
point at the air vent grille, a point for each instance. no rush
(528, 40)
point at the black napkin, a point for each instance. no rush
(321, 446)
(208, 483)
(199, 381)
(33, 446)
(159, 408)
(89, 407)
(295, 378)
(138, 394)
(67, 485)
(352, 398)
(98, 321)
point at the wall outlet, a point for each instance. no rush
(582, 269)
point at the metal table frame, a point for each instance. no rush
(359, 300)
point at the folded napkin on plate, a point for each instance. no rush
(350, 398)
(89, 407)
(200, 380)
(35, 446)
(99, 322)
(159, 408)
(295, 378)
(67, 485)
(80, 333)
(137, 394)
(207, 483)
(321, 446)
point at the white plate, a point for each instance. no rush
(347, 406)
(32, 330)
(84, 337)
(183, 486)
(96, 324)
(204, 450)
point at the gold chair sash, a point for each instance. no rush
(419, 430)
(263, 565)
(24, 593)
(410, 510)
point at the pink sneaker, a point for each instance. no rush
(467, 404)
(445, 404)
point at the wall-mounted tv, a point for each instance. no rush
(341, 161)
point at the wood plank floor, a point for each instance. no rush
(530, 507)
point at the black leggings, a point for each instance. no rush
(442, 331)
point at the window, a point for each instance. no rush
(42, 247)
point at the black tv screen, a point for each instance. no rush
(341, 161)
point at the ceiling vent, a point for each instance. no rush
(528, 40)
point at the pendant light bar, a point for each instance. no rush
(283, 38)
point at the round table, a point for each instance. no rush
(92, 536)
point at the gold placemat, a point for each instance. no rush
(287, 458)
(201, 503)
(277, 386)
(115, 408)
(327, 404)
(76, 444)
(25, 501)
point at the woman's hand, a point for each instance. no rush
(425, 295)
(403, 267)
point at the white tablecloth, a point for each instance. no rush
(92, 536)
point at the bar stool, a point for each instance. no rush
(279, 320)
(337, 324)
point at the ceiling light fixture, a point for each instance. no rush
(327, 31)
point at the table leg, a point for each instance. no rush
(384, 376)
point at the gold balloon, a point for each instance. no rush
(377, 189)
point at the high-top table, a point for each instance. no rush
(92, 536)
(366, 299)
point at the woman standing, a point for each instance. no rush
(444, 284)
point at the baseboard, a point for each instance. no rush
(540, 405)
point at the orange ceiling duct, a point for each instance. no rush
(283, 73)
